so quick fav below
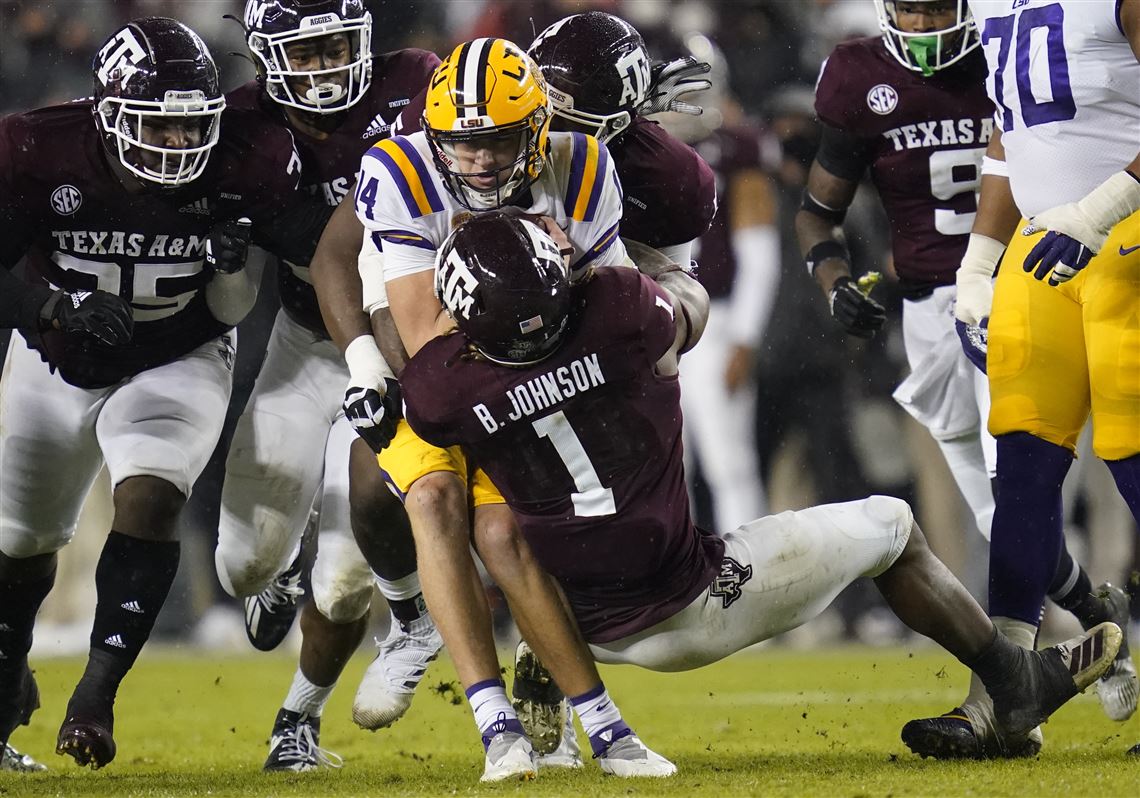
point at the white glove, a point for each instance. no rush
(975, 296)
(671, 79)
(1091, 219)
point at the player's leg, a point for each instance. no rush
(332, 624)
(721, 421)
(156, 431)
(384, 535)
(1111, 302)
(272, 478)
(433, 483)
(549, 629)
(51, 457)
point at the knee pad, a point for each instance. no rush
(342, 605)
(19, 542)
(896, 518)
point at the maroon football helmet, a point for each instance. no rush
(157, 73)
(504, 281)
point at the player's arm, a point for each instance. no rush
(690, 300)
(994, 225)
(756, 249)
(831, 186)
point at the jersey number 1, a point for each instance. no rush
(591, 499)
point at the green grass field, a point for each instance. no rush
(772, 723)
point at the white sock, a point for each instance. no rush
(402, 589)
(492, 708)
(596, 710)
(307, 698)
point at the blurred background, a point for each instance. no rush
(825, 426)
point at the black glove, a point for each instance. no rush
(668, 80)
(228, 245)
(101, 314)
(374, 417)
(859, 315)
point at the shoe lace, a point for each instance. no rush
(285, 589)
(300, 744)
(407, 650)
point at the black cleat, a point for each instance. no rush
(1134, 750)
(269, 615)
(294, 745)
(1046, 679)
(87, 740)
(953, 736)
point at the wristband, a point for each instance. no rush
(823, 251)
(366, 366)
(995, 167)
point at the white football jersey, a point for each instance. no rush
(1066, 87)
(403, 203)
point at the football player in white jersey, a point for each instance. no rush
(485, 144)
(1061, 185)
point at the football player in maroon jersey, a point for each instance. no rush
(318, 79)
(134, 210)
(567, 395)
(911, 107)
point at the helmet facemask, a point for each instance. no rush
(123, 120)
(927, 51)
(323, 91)
(525, 139)
(603, 127)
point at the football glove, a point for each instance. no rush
(975, 292)
(975, 341)
(374, 413)
(669, 80)
(856, 312)
(1078, 230)
(227, 246)
(101, 314)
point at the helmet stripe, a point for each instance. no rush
(472, 78)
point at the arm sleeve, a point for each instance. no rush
(20, 302)
(843, 154)
(16, 226)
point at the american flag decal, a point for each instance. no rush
(530, 325)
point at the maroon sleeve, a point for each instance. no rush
(422, 65)
(833, 95)
(636, 312)
(424, 383)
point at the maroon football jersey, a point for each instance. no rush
(62, 206)
(924, 139)
(395, 100)
(669, 191)
(586, 449)
(727, 151)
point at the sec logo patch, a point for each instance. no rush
(66, 200)
(882, 99)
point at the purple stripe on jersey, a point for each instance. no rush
(577, 168)
(421, 170)
(1119, 21)
(603, 243)
(599, 182)
(397, 176)
(405, 237)
(377, 240)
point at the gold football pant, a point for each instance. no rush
(1058, 352)
(408, 457)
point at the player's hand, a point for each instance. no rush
(227, 246)
(101, 314)
(856, 312)
(1072, 241)
(975, 297)
(374, 412)
(669, 80)
(975, 340)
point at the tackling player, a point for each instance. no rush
(134, 210)
(1062, 315)
(579, 383)
(910, 106)
(485, 144)
(318, 79)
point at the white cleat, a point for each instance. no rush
(629, 758)
(13, 761)
(509, 756)
(386, 690)
(567, 754)
(1118, 688)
